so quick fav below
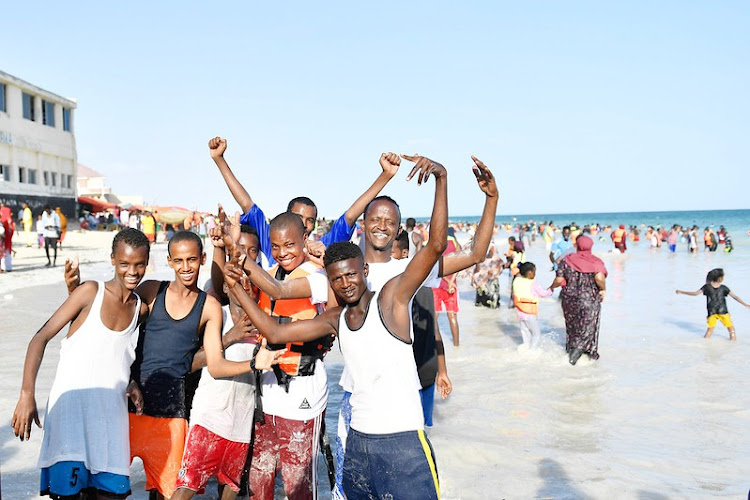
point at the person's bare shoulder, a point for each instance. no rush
(147, 290)
(211, 309)
(86, 291)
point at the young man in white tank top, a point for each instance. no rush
(388, 453)
(85, 445)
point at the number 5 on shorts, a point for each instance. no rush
(74, 476)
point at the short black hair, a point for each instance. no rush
(714, 274)
(402, 241)
(248, 229)
(383, 198)
(566, 227)
(131, 237)
(180, 236)
(411, 222)
(286, 220)
(526, 268)
(343, 250)
(302, 200)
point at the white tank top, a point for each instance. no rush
(412, 246)
(87, 412)
(385, 398)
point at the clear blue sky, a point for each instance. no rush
(576, 106)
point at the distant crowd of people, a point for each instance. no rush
(48, 231)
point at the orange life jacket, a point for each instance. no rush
(707, 238)
(618, 235)
(523, 297)
(300, 357)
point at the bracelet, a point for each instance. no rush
(252, 364)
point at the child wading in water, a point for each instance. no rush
(526, 295)
(716, 301)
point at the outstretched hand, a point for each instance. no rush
(233, 271)
(485, 179)
(72, 274)
(230, 229)
(218, 146)
(267, 358)
(425, 167)
(390, 162)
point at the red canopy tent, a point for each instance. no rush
(96, 205)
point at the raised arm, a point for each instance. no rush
(26, 410)
(397, 293)
(72, 274)
(458, 261)
(218, 259)
(297, 331)
(389, 162)
(682, 292)
(218, 147)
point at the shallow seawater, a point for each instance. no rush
(663, 414)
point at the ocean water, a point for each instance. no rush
(734, 220)
(663, 414)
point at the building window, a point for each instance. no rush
(54, 179)
(70, 182)
(5, 173)
(32, 176)
(45, 175)
(28, 106)
(66, 119)
(2, 97)
(48, 113)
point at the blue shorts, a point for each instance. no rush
(673, 248)
(399, 465)
(345, 420)
(428, 402)
(70, 478)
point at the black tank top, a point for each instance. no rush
(165, 351)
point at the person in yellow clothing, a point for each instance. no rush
(148, 226)
(526, 295)
(28, 225)
(63, 226)
(716, 302)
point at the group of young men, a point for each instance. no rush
(259, 405)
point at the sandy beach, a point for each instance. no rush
(663, 414)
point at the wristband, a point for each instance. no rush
(252, 364)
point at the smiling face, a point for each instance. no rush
(287, 247)
(130, 264)
(382, 221)
(348, 279)
(307, 213)
(185, 258)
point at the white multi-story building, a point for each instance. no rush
(37, 147)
